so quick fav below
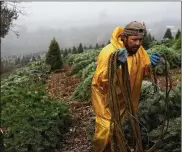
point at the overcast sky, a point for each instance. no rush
(68, 14)
(86, 22)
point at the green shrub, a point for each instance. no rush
(87, 55)
(70, 58)
(152, 111)
(154, 43)
(168, 42)
(34, 121)
(89, 69)
(171, 55)
(152, 104)
(172, 139)
(81, 65)
(160, 68)
(177, 44)
(83, 90)
(39, 65)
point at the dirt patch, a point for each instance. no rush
(61, 85)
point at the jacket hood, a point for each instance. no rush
(115, 37)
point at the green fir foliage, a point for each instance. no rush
(53, 56)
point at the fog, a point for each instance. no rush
(86, 22)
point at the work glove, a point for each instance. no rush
(122, 57)
(155, 58)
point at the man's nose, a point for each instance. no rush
(137, 42)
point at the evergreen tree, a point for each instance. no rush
(17, 61)
(65, 53)
(69, 50)
(9, 13)
(90, 47)
(146, 42)
(21, 61)
(85, 47)
(168, 34)
(74, 51)
(108, 42)
(150, 37)
(33, 58)
(25, 60)
(2, 67)
(53, 56)
(153, 39)
(103, 45)
(178, 43)
(80, 48)
(178, 34)
(97, 46)
(38, 57)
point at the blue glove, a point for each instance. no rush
(154, 59)
(122, 57)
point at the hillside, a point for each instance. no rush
(44, 110)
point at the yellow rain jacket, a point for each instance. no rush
(138, 67)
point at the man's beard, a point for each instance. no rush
(131, 51)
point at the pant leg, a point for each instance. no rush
(102, 133)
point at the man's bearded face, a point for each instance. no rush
(132, 43)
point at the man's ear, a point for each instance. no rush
(122, 37)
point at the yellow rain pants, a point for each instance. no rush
(138, 69)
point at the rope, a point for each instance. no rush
(117, 136)
(116, 120)
(167, 91)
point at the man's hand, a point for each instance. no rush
(154, 59)
(122, 57)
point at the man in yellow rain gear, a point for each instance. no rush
(128, 40)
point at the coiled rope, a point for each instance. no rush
(117, 136)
